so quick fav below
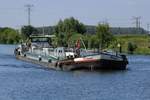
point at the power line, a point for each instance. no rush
(29, 8)
(137, 23)
(148, 27)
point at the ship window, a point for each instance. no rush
(60, 51)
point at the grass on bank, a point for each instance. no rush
(141, 41)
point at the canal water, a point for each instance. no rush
(25, 81)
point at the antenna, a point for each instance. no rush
(29, 6)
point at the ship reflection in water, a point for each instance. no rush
(25, 81)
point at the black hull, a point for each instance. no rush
(71, 65)
(102, 64)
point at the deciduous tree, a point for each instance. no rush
(104, 36)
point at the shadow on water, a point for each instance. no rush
(101, 71)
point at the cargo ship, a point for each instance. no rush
(39, 51)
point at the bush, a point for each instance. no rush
(131, 47)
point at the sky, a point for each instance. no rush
(118, 13)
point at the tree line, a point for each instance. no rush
(9, 36)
